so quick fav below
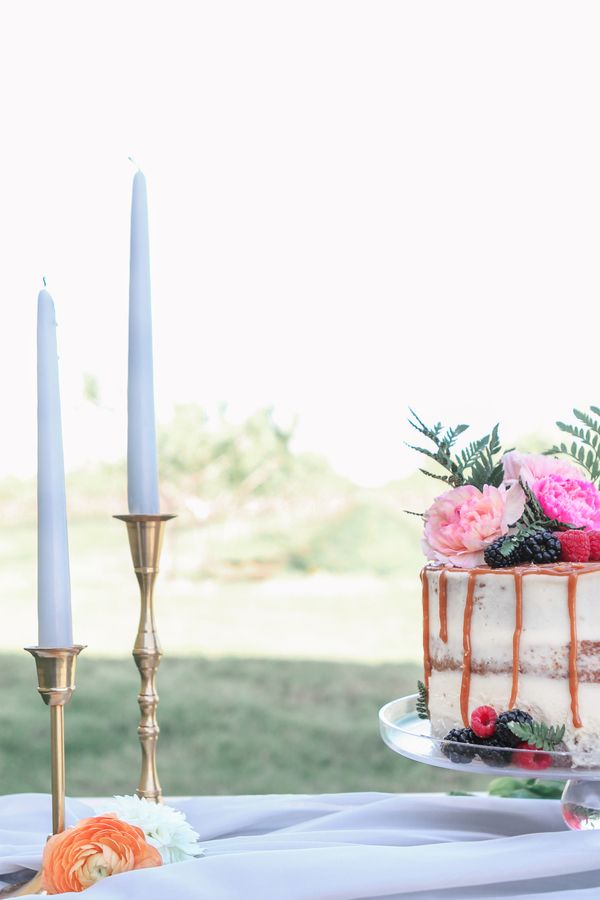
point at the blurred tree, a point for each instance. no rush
(91, 389)
(218, 464)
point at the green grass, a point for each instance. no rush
(268, 684)
(228, 726)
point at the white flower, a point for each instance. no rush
(165, 828)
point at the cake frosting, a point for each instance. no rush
(525, 637)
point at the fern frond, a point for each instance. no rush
(585, 448)
(478, 463)
(421, 704)
(538, 734)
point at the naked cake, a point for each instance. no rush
(511, 598)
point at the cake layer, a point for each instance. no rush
(527, 637)
(547, 700)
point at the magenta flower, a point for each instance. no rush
(570, 500)
(461, 523)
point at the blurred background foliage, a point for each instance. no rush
(288, 606)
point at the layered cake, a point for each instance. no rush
(511, 597)
(525, 637)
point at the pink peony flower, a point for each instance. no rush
(461, 523)
(529, 467)
(570, 500)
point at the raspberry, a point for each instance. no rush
(574, 546)
(530, 758)
(594, 537)
(483, 721)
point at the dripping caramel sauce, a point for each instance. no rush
(426, 653)
(443, 605)
(516, 665)
(571, 571)
(573, 676)
(465, 685)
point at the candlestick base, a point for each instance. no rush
(145, 534)
(55, 668)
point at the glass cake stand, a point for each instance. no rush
(405, 733)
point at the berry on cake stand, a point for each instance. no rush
(501, 752)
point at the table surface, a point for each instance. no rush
(344, 847)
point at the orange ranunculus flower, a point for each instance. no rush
(95, 848)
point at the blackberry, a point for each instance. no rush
(496, 560)
(493, 752)
(457, 751)
(503, 732)
(540, 547)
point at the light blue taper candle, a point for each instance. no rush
(142, 468)
(54, 584)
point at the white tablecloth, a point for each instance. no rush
(344, 847)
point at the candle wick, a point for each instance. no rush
(132, 160)
(44, 280)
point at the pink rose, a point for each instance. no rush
(461, 523)
(529, 467)
(570, 500)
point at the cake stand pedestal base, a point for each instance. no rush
(581, 805)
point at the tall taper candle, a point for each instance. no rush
(54, 583)
(142, 468)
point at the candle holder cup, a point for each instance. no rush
(145, 533)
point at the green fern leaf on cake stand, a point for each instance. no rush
(421, 705)
(537, 734)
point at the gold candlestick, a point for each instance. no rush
(56, 682)
(145, 534)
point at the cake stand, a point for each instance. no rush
(405, 733)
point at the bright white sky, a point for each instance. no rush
(354, 206)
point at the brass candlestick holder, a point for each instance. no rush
(145, 534)
(56, 682)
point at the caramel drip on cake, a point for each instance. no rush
(465, 686)
(570, 571)
(426, 653)
(443, 605)
(517, 638)
(573, 676)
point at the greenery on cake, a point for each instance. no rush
(422, 704)
(585, 448)
(538, 734)
(505, 508)
(478, 463)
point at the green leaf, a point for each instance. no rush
(538, 734)
(504, 787)
(479, 463)
(446, 478)
(530, 788)
(421, 704)
(588, 437)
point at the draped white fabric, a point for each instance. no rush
(344, 847)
